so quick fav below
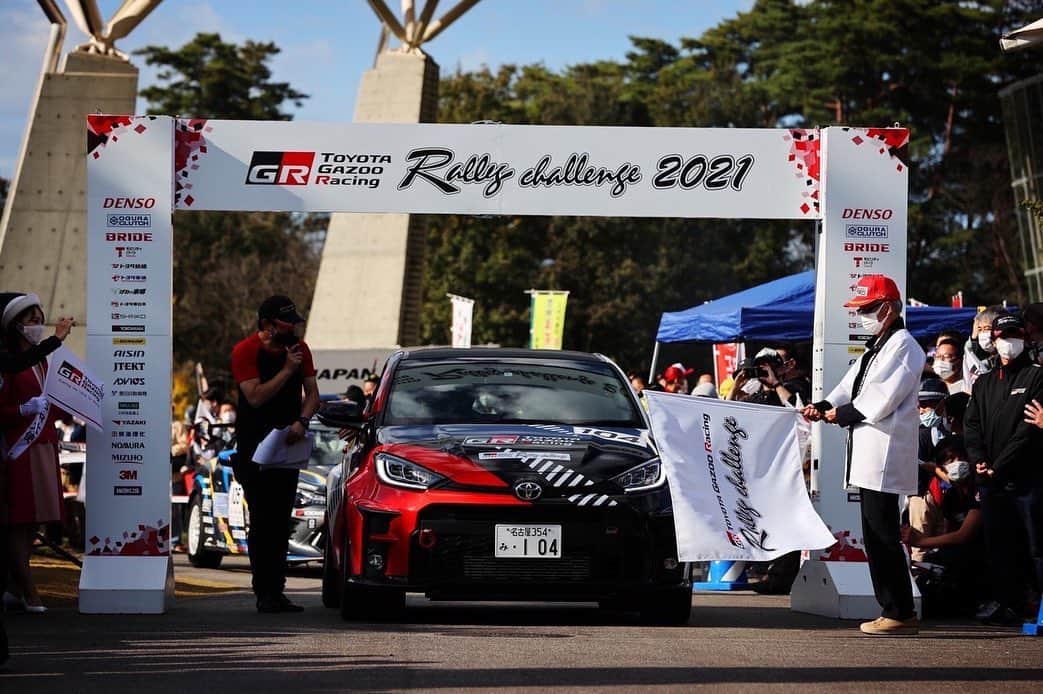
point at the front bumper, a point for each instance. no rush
(607, 553)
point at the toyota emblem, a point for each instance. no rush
(528, 491)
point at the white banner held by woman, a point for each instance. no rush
(735, 477)
(463, 310)
(73, 387)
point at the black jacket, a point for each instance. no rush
(995, 427)
(13, 362)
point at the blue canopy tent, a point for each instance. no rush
(783, 310)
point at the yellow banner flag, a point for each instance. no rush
(548, 319)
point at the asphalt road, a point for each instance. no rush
(734, 642)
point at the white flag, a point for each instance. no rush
(735, 478)
(71, 386)
(463, 309)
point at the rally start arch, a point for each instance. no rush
(142, 168)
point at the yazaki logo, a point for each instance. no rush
(867, 213)
(280, 168)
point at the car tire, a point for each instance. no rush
(198, 556)
(668, 608)
(331, 580)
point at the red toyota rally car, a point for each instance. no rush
(501, 474)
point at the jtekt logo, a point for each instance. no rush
(280, 168)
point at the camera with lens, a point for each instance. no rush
(749, 369)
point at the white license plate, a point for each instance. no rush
(532, 541)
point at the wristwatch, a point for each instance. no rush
(305, 421)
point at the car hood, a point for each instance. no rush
(564, 459)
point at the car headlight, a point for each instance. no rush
(399, 472)
(647, 475)
(310, 496)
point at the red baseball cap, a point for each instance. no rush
(676, 372)
(873, 288)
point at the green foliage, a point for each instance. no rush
(934, 67)
(226, 263)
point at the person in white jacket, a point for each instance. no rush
(877, 401)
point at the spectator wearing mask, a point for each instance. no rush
(636, 382)
(877, 399)
(705, 390)
(925, 507)
(948, 364)
(1006, 452)
(959, 547)
(979, 354)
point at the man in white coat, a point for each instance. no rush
(877, 402)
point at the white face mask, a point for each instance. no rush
(944, 369)
(1010, 347)
(985, 342)
(33, 333)
(871, 323)
(752, 386)
(228, 417)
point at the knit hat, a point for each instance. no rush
(13, 303)
(932, 389)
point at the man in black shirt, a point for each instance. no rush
(276, 377)
(1006, 451)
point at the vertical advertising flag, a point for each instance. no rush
(735, 477)
(548, 319)
(463, 311)
(726, 358)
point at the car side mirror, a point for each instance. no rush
(341, 415)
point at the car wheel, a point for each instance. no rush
(669, 608)
(197, 555)
(331, 580)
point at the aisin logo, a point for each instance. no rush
(280, 168)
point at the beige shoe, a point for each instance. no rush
(885, 626)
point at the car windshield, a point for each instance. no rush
(476, 392)
(327, 448)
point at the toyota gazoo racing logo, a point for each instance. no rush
(528, 491)
(280, 168)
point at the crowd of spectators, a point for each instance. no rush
(975, 527)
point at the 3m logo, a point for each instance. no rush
(280, 168)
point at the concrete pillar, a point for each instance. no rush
(43, 244)
(368, 291)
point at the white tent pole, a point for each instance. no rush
(655, 358)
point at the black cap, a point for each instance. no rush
(1006, 324)
(932, 389)
(279, 307)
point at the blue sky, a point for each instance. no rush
(327, 44)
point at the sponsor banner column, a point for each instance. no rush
(130, 164)
(866, 191)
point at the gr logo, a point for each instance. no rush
(280, 168)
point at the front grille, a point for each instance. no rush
(464, 552)
(492, 570)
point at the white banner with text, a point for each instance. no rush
(735, 477)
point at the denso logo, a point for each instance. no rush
(129, 203)
(867, 213)
(867, 247)
(280, 168)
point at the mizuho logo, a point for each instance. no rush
(280, 168)
(528, 491)
(866, 231)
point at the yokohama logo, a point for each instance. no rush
(280, 168)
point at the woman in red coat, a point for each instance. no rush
(30, 448)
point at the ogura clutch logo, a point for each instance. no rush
(280, 168)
